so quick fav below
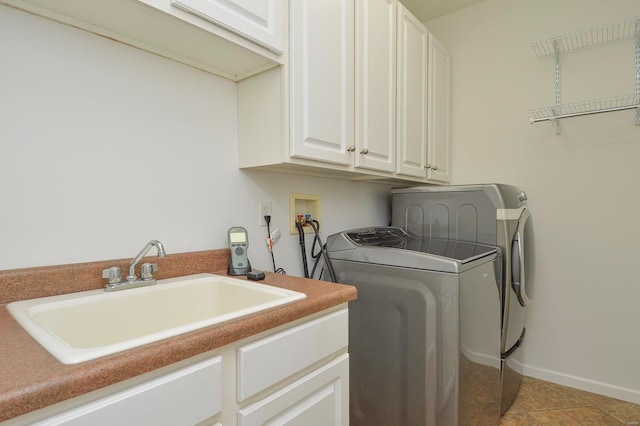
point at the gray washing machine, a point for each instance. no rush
(424, 332)
(492, 214)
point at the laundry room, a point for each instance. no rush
(167, 127)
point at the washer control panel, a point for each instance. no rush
(379, 236)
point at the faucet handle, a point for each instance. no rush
(112, 274)
(147, 270)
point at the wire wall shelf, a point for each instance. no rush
(603, 34)
(554, 46)
(594, 106)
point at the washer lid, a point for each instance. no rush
(394, 247)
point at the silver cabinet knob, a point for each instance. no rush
(428, 166)
(351, 148)
(434, 168)
(112, 274)
(364, 151)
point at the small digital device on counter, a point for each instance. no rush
(238, 244)
(256, 275)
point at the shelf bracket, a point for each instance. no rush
(637, 36)
(557, 110)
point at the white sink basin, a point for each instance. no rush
(78, 327)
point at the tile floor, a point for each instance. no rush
(543, 403)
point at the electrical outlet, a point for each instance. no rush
(265, 210)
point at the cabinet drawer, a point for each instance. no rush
(187, 396)
(270, 360)
(319, 398)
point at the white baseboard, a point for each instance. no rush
(479, 358)
(624, 394)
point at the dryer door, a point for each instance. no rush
(522, 259)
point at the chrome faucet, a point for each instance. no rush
(113, 274)
(132, 266)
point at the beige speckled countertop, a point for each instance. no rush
(31, 378)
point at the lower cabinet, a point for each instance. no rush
(187, 396)
(296, 374)
(320, 398)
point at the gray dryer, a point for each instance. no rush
(424, 332)
(492, 214)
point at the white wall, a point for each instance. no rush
(104, 147)
(582, 185)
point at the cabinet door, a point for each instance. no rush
(411, 143)
(186, 396)
(258, 20)
(322, 80)
(375, 84)
(321, 398)
(439, 143)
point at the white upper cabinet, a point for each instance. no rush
(324, 60)
(411, 143)
(375, 84)
(259, 20)
(353, 101)
(439, 140)
(225, 43)
(322, 79)
(424, 102)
